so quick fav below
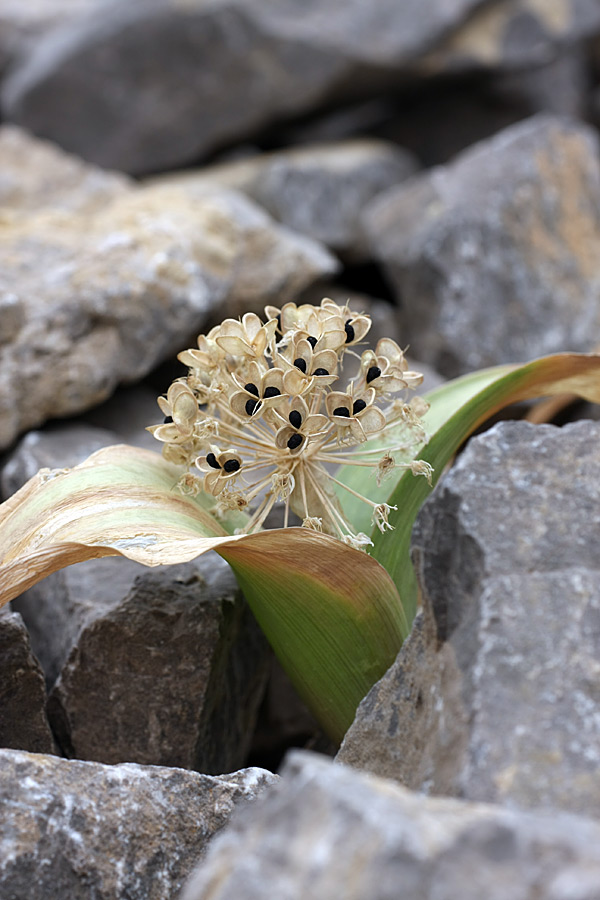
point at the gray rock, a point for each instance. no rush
(158, 84)
(319, 190)
(23, 24)
(78, 830)
(495, 696)
(494, 256)
(326, 832)
(35, 174)
(159, 667)
(97, 300)
(62, 447)
(23, 722)
(515, 34)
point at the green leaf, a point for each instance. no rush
(332, 614)
(457, 409)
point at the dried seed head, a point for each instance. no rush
(276, 415)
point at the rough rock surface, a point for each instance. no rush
(319, 190)
(89, 301)
(166, 63)
(78, 830)
(23, 722)
(159, 667)
(494, 256)
(326, 832)
(36, 174)
(495, 696)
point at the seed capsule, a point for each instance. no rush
(295, 418)
(295, 441)
(358, 406)
(211, 459)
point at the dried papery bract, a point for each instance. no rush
(265, 414)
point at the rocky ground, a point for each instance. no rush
(164, 165)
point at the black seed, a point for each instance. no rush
(320, 371)
(373, 373)
(295, 441)
(167, 420)
(358, 406)
(349, 332)
(300, 364)
(251, 388)
(232, 465)
(279, 324)
(295, 418)
(211, 459)
(312, 341)
(251, 405)
(342, 411)
(272, 392)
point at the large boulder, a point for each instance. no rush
(150, 86)
(326, 832)
(495, 695)
(89, 300)
(494, 257)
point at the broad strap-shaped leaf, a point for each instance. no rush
(333, 618)
(332, 614)
(121, 500)
(457, 409)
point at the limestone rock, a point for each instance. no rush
(78, 829)
(96, 300)
(326, 832)
(161, 667)
(495, 695)
(319, 190)
(185, 79)
(494, 256)
(23, 722)
(35, 174)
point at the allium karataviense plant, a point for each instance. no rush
(265, 414)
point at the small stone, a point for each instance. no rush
(495, 694)
(75, 829)
(23, 722)
(326, 832)
(495, 255)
